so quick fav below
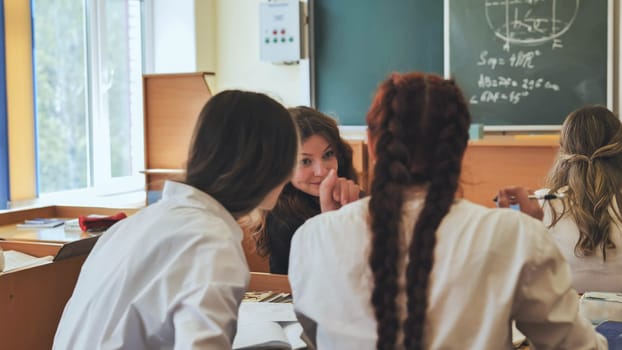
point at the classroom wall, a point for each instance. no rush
(4, 144)
(186, 36)
(173, 30)
(20, 106)
(225, 40)
(237, 56)
(213, 35)
(206, 34)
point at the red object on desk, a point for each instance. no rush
(99, 223)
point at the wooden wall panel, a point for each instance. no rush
(489, 164)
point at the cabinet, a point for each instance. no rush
(172, 103)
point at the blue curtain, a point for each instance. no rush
(4, 135)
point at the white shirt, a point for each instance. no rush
(589, 273)
(169, 277)
(491, 266)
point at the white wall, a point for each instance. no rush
(206, 34)
(171, 44)
(220, 36)
(237, 62)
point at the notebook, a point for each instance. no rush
(14, 260)
(41, 223)
(264, 325)
(269, 335)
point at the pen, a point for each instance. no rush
(545, 197)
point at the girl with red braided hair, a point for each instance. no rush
(414, 267)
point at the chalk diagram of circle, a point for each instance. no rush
(530, 22)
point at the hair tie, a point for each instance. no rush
(602, 152)
(572, 158)
(609, 150)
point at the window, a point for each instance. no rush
(88, 95)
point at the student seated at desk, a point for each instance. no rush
(587, 222)
(173, 274)
(313, 188)
(414, 267)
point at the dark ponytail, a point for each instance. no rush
(419, 127)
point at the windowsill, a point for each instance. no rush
(84, 198)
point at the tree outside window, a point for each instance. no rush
(88, 69)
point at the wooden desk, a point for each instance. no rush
(269, 282)
(9, 220)
(9, 230)
(56, 234)
(32, 299)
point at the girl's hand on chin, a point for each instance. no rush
(337, 191)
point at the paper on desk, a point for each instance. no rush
(269, 335)
(601, 306)
(276, 312)
(263, 325)
(606, 296)
(72, 225)
(293, 331)
(260, 335)
(14, 260)
(517, 337)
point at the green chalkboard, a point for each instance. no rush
(528, 62)
(357, 44)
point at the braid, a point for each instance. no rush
(445, 174)
(385, 209)
(410, 115)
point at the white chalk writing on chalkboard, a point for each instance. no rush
(520, 22)
(528, 62)
(520, 59)
(502, 88)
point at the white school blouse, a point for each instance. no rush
(589, 273)
(491, 266)
(168, 277)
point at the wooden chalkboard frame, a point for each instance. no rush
(517, 128)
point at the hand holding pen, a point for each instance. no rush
(523, 197)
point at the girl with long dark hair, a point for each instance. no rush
(172, 275)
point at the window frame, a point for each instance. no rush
(99, 179)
